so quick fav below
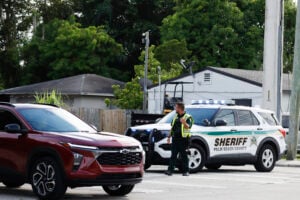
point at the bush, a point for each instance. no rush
(53, 97)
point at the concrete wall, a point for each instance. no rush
(218, 87)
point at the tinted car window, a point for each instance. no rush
(198, 114)
(7, 117)
(246, 118)
(54, 120)
(226, 115)
(269, 118)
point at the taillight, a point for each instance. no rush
(283, 132)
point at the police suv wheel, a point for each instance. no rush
(197, 158)
(47, 179)
(266, 159)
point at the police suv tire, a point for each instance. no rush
(47, 180)
(266, 159)
(118, 190)
(13, 184)
(213, 166)
(196, 152)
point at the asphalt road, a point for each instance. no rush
(228, 183)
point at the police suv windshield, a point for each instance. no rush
(198, 114)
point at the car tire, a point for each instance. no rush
(266, 159)
(118, 190)
(13, 184)
(213, 166)
(197, 158)
(47, 180)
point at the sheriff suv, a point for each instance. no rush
(223, 134)
(52, 149)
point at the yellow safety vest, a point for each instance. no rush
(185, 132)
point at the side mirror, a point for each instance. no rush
(206, 122)
(13, 128)
(221, 122)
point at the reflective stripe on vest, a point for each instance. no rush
(185, 132)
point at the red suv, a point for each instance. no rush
(52, 149)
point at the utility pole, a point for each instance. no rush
(295, 99)
(273, 53)
(147, 43)
(159, 83)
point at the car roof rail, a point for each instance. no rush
(7, 104)
(48, 104)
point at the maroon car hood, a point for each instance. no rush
(102, 139)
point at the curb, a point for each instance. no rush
(288, 164)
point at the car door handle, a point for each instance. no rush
(233, 130)
(259, 129)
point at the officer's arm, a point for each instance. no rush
(188, 123)
(185, 123)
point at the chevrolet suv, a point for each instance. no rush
(52, 149)
(223, 134)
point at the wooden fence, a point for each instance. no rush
(115, 121)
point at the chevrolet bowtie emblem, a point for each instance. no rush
(124, 151)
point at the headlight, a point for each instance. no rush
(77, 160)
(82, 147)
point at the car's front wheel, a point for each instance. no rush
(47, 179)
(118, 190)
(266, 159)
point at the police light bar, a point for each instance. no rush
(213, 102)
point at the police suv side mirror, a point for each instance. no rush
(206, 122)
(220, 122)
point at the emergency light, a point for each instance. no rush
(213, 102)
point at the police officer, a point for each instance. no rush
(180, 133)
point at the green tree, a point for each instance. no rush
(129, 97)
(13, 25)
(171, 52)
(125, 21)
(211, 29)
(68, 49)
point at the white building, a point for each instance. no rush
(244, 86)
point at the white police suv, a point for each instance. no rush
(222, 134)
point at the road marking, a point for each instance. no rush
(183, 185)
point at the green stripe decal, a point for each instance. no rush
(217, 133)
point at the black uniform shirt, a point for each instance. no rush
(176, 129)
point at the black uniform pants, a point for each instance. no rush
(179, 145)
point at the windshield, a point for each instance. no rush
(198, 114)
(54, 120)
